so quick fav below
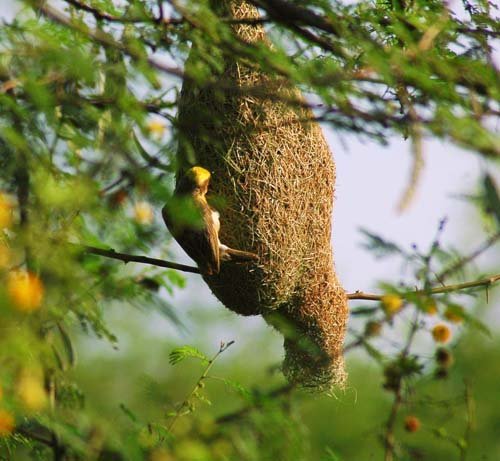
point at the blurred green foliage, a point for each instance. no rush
(88, 98)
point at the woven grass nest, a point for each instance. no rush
(273, 177)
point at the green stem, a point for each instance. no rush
(203, 376)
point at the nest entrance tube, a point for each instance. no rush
(274, 175)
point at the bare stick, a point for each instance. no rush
(467, 259)
(139, 259)
(487, 281)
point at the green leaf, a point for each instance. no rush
(183, 352)
(379, 246)
(373, 352)
(474, 322)
(68, 344)
(128, 412)
(237, 387)
(364, 310)
(491, 200)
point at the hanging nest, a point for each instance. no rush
(273, 180)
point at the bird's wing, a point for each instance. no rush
(212, 235)
(202, 245)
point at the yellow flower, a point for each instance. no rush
(31, 392)
(156, 127)
(5, 211)
(6, 423)
(441, 333)
(412, 423)
(25, 290)
(143, 213)
(391, 304)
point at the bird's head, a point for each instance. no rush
(194, 178)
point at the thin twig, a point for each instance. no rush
(389, 438)
(162, 19)
(34, 436)
(470, 418)
(223, 347)
(358, 295)
(98, 14)
(105, 39)
(416, 134)
(487, 281)
(138, 259)
(467, 259)
(161, 12)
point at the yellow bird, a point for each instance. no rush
(201, 243)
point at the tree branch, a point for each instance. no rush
(467, 259)
(25, 432)
(98, 14)
(487, 281)
(138, 259)
(104, 39)
(357, 295)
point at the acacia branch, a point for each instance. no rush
(467, 259)
(223, 347)
(25, 432)
(162, 19)
(104, 39)
(139, 259)
(98, 14)
(357, 295)
(487, 281)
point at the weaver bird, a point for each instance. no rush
(202, 242)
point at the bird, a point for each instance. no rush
(201, 242)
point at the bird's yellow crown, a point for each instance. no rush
(198, 175)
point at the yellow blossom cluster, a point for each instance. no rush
(143, 213)
(391, 304)
(156, 127)
(441, 333)
(25, 290)
(6, 420)
(5, 211)
(31, 392)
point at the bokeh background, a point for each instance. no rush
(371, 178)
(347, 424)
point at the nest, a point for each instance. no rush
(273, 176)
